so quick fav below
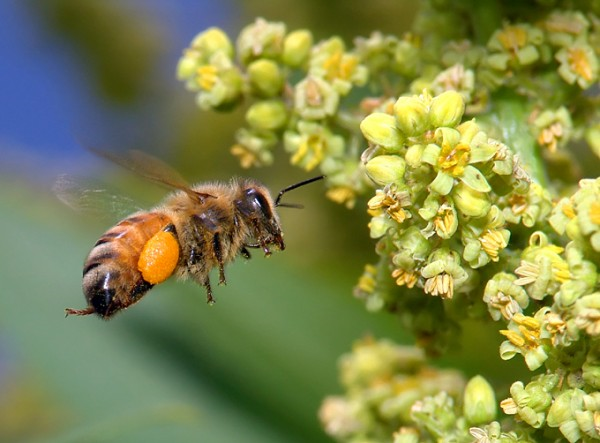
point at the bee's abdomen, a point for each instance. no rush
(111, 278)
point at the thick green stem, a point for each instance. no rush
(509, 117)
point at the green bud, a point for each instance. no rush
(386, 169)
(380, 225)
(446, 109)
(224, 93)
(187, 65)
(470, 202)
(561, 413)
(296, 48)
(380, 129)
(265, 78)
(211, 41)
(411, 246)
(479, 402)
(260, 39)
(315, 99)
(406, 435)
(412, 115)
(268, 115)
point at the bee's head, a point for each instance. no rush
(257, 210)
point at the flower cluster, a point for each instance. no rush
(390, 391)
(439, 210)
(293, 88)
(461, 134)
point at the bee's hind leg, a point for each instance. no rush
(209, 295)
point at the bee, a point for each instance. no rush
(194, 230)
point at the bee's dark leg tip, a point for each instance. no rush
(86, 311)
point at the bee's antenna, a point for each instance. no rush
(292, 187)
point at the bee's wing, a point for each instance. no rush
(147, 166)
(87, 198)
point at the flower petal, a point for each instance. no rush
(474, 179)
(442, 184)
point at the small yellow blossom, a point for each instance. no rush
(453, 159)
(366, 282)
(512, 38)
(529, 271)
(311, 151)
(446, 222)
(594, 212)
(343, 195)
(207, 77)
(549, 136)
(405, 278)
(527, 335)
(492, 242)
(392, 202)
(247, 157)
(507, 305)
(556, 326)
(440, 285)
(578, 64)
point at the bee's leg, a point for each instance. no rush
(87, 311)
(245, 253)
(209, 295)
(219, 256)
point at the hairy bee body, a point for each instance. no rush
(193, 231)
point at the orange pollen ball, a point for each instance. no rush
(159, 257)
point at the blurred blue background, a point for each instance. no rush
(254, 367)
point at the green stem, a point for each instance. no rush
(485, 16)
(509, 116)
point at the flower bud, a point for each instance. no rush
(187, 65)
(386, 169)
(446, 109)
(267, 115)
(265, 77)
(412, 115)
(211, 41)
(380, 129)
(479, 404)
(296, 48)
(260, 39)
(470, 202)
(315, 98)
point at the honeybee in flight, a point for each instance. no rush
(195, 229)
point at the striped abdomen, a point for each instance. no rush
(111, 276)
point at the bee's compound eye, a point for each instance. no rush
(256, 203)
(159, 257)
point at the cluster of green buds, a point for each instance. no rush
(293, 89)
(460, 134)
(392, 395)
(438, 210)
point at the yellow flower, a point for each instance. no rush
(578, 63)
(453, 159)
(527, 335)
(367, 282)
(343, 195)
(440, 285)
(492, 242)
(312, 149)
(392, 203)
(405, 278)
(247, 158)
(207, 77)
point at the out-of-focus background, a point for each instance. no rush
(255, 366)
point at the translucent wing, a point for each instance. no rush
(90, 199)
(147, 166)
(150, 167)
